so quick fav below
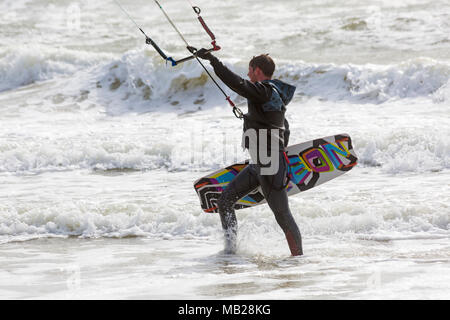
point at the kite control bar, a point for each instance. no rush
(237, 112)
(149, 41)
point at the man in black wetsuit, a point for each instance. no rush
(265, 121)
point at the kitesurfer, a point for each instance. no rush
(267, 99)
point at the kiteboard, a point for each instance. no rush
(311, 164)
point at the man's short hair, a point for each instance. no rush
(265, 63)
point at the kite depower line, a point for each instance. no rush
(237, 112)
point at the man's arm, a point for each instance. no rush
(287, 132)
(256, 92)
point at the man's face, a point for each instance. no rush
(251, 74)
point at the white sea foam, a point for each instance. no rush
(406, 150)
(26, 64)
(93, 214)
(146, 77)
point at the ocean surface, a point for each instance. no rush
(101, 142)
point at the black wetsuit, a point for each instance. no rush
(267, 102)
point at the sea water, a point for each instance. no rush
(101, 142)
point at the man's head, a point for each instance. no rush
(261, 68)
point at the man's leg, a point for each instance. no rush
(243, 183)
(277, 198)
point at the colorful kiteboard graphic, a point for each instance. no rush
(311, 163)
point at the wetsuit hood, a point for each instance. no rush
(285, 90)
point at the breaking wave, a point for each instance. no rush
(141, 76)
